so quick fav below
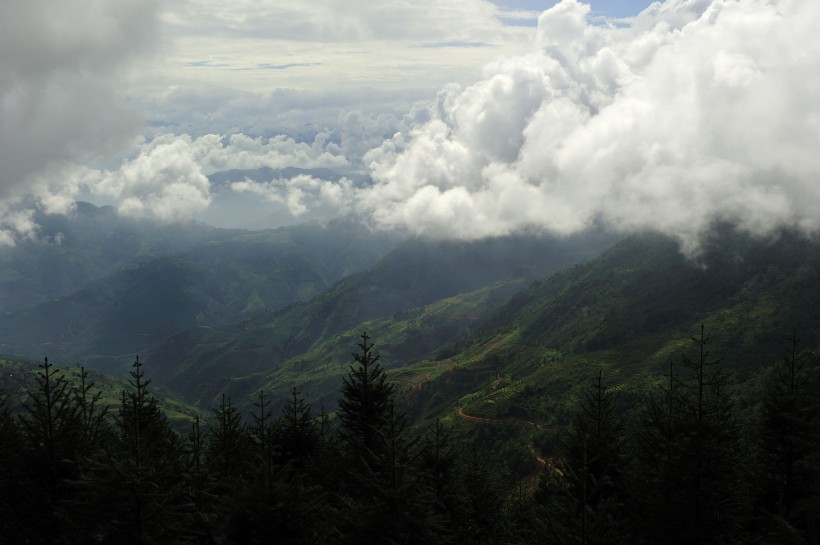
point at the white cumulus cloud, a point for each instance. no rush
(302, 193)
(697, 111)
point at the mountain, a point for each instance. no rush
(218, 277)
(495, 337)
(415, 274)
(87, 244)
(515, 354)
(628, 313)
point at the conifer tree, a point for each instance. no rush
(263, 438)
(52, 430)
(481, 498)
(392, 506)
(595, 460)
(282, 498)
(200, 485)
(364, 408)
(52, 440)
(692, 457)
(228, 448)
(91, 415)
(438, 465)
(555, 508)
(138, 478)
(789, 443)
(297, 434)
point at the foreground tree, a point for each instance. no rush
(692, 460)
(52, 431)
(53, 441)
(789, 447)
(595, 459)
(364, 409)
(137, 480)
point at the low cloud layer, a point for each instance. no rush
(167, 177)
(693, 112)
(699, 111)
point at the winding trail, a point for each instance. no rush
(476, 419)
(540, 460)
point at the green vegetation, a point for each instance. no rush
(550, 401)
(679, 468)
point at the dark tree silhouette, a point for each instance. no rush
(693, 460)
(138, 477)
(789, 446)
(364, 408)
(595, 459)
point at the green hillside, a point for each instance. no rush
(18, 377)
(405, 338)
(628, 313)
(416, 274)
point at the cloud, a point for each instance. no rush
(256, 46)
(302, 193)
(268, 66)
(335, 21)
(61, 66)
(697, 111)
(16, 224)
(455, 43)
(166, 179)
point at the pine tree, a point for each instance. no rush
(263, 438)
(555, 507)
(789, 443)
(364, 408)
(138, 478)
(282, 498)
(200, 485)
(228, 448)
(692, 457)
(297, 434)
(595, 461)
(52, 439)
(91, 415)
(437, 465)
(52, 430)
(392, 506)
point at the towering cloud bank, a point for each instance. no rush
(61, 63)
(696, 111)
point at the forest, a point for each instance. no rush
(677, 466)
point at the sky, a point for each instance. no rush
(465, 119)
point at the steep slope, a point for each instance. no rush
(629, 313)
(403, 338)
(232, 276)
(417, 273)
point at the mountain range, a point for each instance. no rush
(504, 330)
